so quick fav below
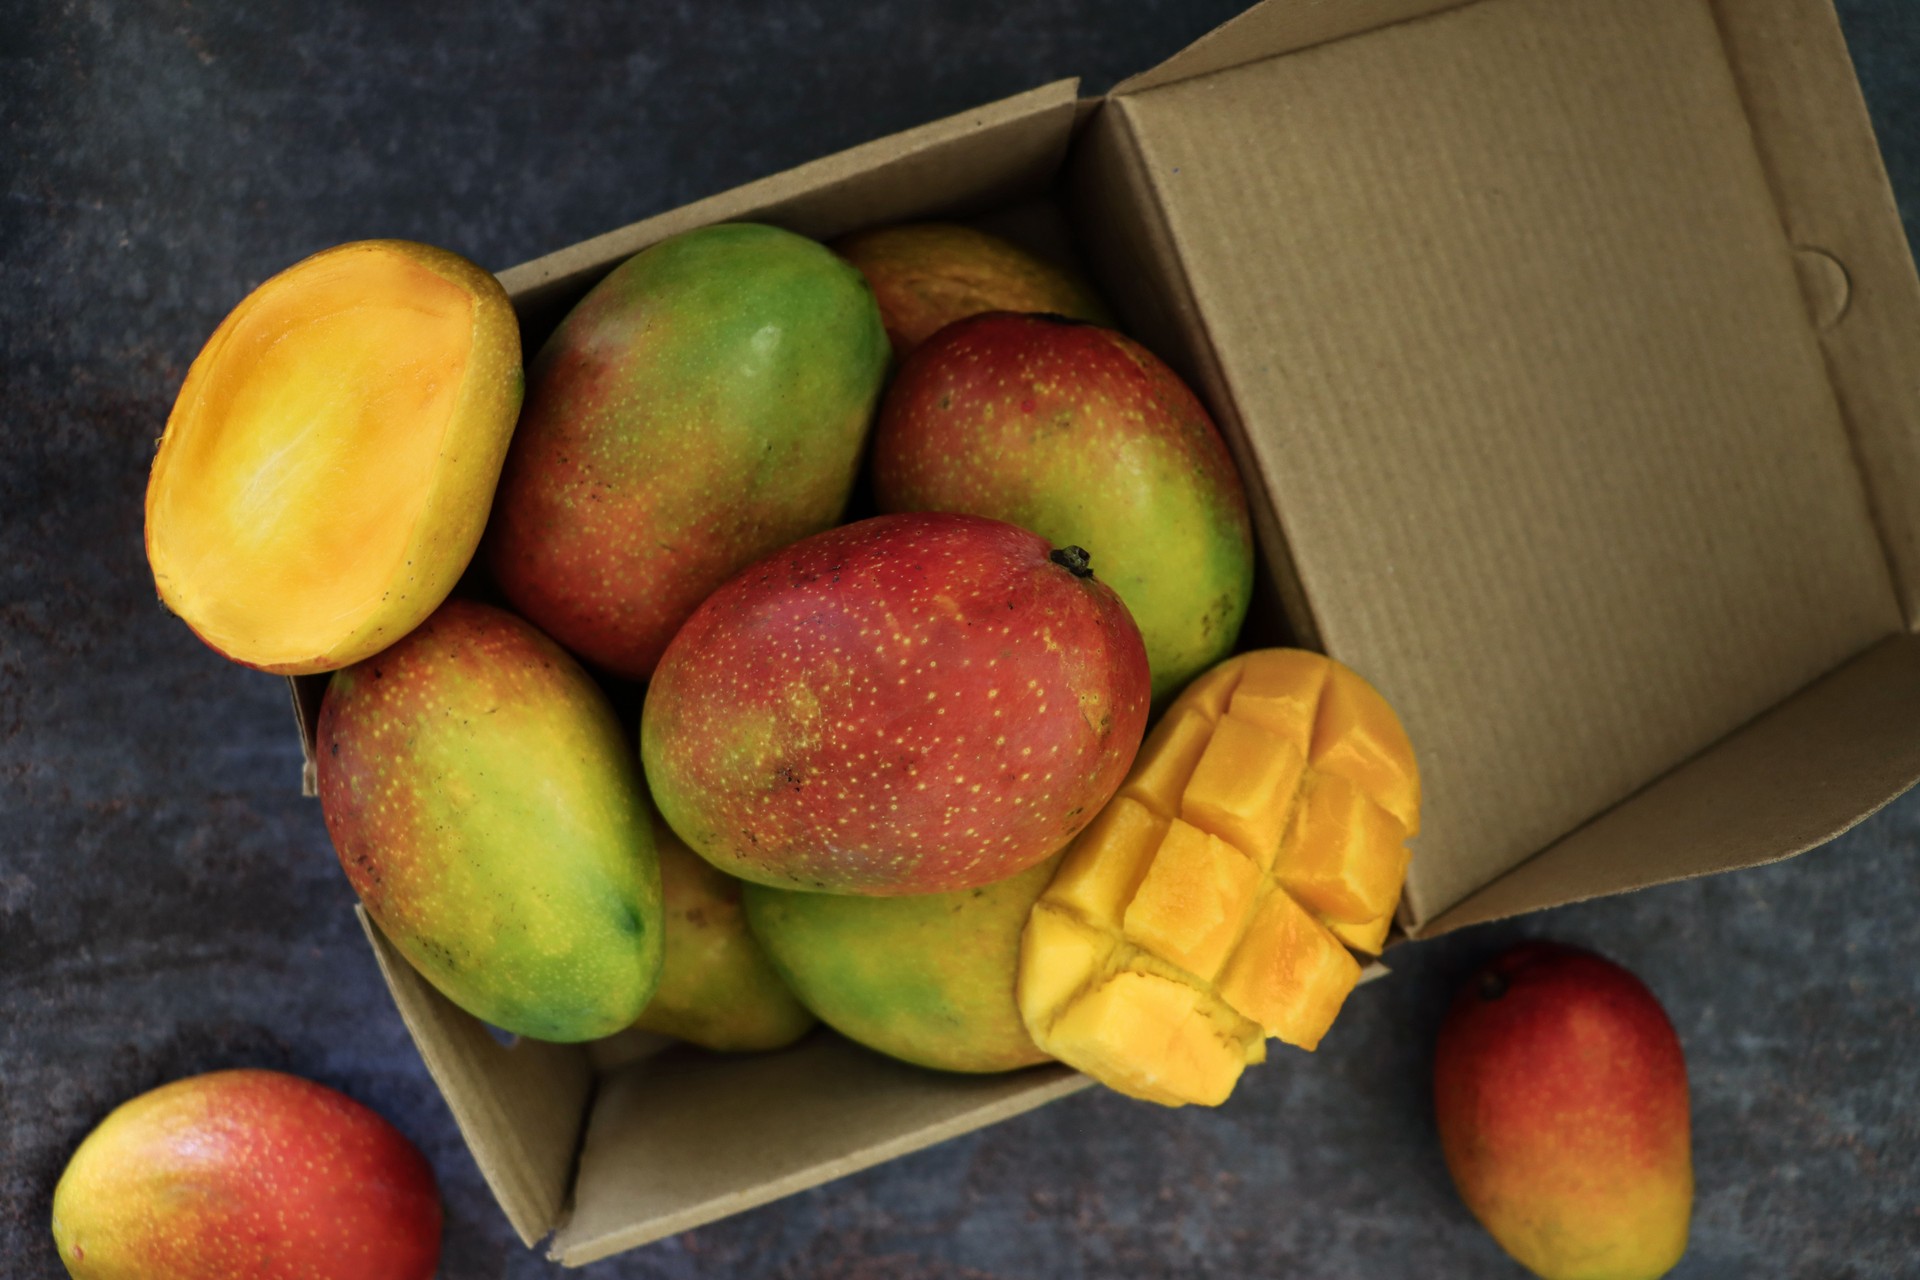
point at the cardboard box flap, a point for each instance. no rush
(688, 1137)
(521, 1108)
(1274, 27)
(1502, 315)
(964, 164)
(1794, 779)
(1817, 147)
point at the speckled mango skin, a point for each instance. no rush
(926, 275)
(246, 1173)
(489, 811)
(704, 405)
(1560, 1092)
(717, 987)
(1083, 436)
(907, 704)
(928, 979)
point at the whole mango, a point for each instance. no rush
(246, 1173)
(926, 275)
(383, 369)
(717, 988)
(1083, 436)
(703, 405)
(488, 808)
(1561, 1095)
(927, 979)
(908, 704)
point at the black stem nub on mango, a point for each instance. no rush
(1074, 560)
(1493, 985)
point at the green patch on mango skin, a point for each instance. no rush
(490, 813)
(704, 405)
(717, 987)
(927, 979)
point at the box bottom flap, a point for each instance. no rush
(687, 1137)
(1803, 773)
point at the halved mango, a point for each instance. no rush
(328, 467)
(1264, 824)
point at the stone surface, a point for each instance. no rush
(169, 904)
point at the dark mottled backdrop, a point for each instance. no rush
(169, 904)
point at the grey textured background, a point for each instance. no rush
(168, 903)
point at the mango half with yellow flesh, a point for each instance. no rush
(927, 979)
(329, 464)
(1196, 916)
(717, 988)
(488, 808)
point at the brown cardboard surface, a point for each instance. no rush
(967, 163)
(687, 1137)
(1824, 169)
(1276, 27)
(1797, 777)
(1503, 309)
(520, 1108)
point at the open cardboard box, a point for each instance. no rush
(1571, 352)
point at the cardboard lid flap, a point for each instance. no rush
(1797, 777)
(1275, 27)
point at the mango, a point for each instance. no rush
(1083, 436)
(489, 811)
(717, 988)
(907, 704)
(702, 406)
(927, 979)
(1560, 1090)
(326, 471)
(1262, 826)
(926, 275)
(246, 1173)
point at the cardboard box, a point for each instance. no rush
(1571, 352)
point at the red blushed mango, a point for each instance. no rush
(327, 469)
(1083, 436)
(704, 405)
(1561, 1095)
(246, 1173)
(926, 275)
(488, 809)
(908, 704)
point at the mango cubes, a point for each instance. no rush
(1260, 835)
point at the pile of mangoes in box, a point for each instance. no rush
(890, 773)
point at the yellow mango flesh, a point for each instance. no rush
(1212, 904)
(329, 464)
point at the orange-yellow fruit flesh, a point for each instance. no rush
(1167, 947)
(301, 456)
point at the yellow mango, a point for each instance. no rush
(1262, 827)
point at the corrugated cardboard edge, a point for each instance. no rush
(1275, 27)
(936, 169)
(521, 1109)
(1747, 801)
(1837, 208)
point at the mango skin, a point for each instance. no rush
(1083, 436)
(488, 809)
(425, 561)
(927, 979)
(704, 405)
(1561, 1094)
(926, 275)
(717, 987)
(907, 704)
(246, 1173)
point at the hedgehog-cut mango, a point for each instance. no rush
(1213, 903)
(330, 461)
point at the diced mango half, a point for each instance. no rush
(1263, 826)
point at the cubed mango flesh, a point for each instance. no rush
(1263, 826)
